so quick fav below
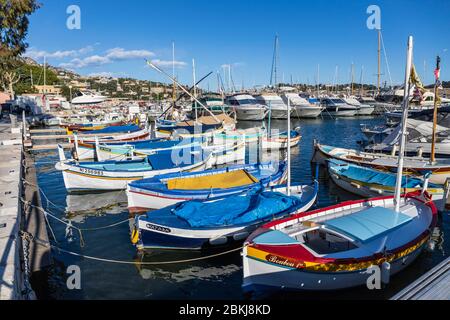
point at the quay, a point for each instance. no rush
(19, 198)
(433, 285)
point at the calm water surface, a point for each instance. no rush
(218, 278)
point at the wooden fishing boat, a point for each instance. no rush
(418, 166)
(115, 175)
(132, 136)
(335, 247)
(127, 149)
(340, 246)
(202, 224)
(164, 190)
(368, 183)
(274, 141)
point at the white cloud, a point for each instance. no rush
(60, 54)
(115, 54)
(168, 63)
(122, 54)
(233, 65)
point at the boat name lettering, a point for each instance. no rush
(158, 228)
(284, 262)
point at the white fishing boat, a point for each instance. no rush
(115, 175)
(246, 107)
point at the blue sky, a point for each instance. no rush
(116, 36)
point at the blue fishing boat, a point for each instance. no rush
(368, 183)
(165, 190)
(202, 224)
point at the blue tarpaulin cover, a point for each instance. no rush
(368, 175)
(368, 224)
(234, 210)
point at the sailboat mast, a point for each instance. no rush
(288, 191)
(398, 185)
(361, 82)
(173, 74)
(436, 84)
(379, 61)
(273, 75)
(352, 77)
(195, 89)
(45, 75)
(318, 81)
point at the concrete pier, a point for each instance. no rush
(18, 260)
(433, 285)
(11, 282)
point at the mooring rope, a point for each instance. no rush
(29, 237)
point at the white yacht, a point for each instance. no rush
(86, 97)
(277, 108)
(363, 109)
(302, 108)
(246, 107)
(336, 107)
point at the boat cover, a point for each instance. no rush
(234, 210)
(177, 158)
(115, 129)
(230, 179)
(371, 176)
(368, 224)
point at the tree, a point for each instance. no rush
(13, 30)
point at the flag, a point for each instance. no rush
(437, 74)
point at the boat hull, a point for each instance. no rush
(262, 276)
(306, 112)
(77, 179)
(250, 114)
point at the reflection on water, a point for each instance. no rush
(216, 278)
(78, 206)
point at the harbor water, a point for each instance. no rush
(214, 278)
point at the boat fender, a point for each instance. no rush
(135, 235)
(218, 241)
(240, 236)
(385, 272)
(356, 185)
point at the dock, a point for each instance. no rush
(433, 285)
(19, 259)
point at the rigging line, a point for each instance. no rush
(385, 58)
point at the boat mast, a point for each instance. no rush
(273, 75)
(45, 75)
(352, 78)
(403, 129)
(195, 89)
(173, 74)
(379, 61)
(361, 82)
(435, 114)
(288, 186)
(318, 80)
